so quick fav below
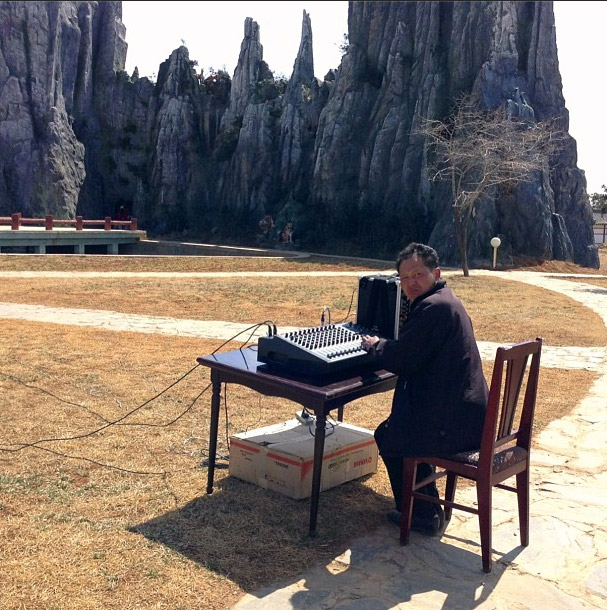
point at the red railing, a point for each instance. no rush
(49, 222)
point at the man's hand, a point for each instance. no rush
(368, 341)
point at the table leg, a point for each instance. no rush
(215, 404)
(319, 449)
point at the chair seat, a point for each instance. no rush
(501, 460)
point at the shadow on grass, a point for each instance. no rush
(597, 290)
(255, 537)
(166, 247)
(259, 540)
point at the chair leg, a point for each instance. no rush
(522, 496)
(484, 500)
(450, 487)
(409, 472)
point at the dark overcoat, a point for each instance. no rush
(440, 398)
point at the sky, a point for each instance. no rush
(213, 33)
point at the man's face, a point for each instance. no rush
(415, 278)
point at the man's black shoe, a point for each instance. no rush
(394, 517)
(429, 526)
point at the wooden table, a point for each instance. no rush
(320, 395)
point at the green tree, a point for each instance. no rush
(478, 150)
(598, 201)
(344, 45)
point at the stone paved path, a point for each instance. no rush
(572, 357)
(565, 565)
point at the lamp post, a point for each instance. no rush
(495, 243)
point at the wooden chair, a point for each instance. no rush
(504, 451)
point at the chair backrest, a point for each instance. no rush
(509, 416)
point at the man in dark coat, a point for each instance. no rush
(439, 402)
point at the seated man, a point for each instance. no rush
(438, 407)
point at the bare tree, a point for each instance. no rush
(479, 150)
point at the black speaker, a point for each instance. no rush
(379, 302)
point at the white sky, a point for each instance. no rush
(213, 33)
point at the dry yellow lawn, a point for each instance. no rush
(102, 477)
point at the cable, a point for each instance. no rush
(252, 328)
(15, 447)
(329, 429)
(20, 446)
(85, 459)
(322, 315)
(350, 306)
(67, 402)
(171, 422)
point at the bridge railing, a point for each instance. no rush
(16, 221)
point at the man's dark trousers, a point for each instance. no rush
(394, 466)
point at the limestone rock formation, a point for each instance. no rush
(409, 59)
(45, 60)
(210, 155)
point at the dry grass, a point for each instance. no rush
(563, 267)
(118, 517)
(185, 264)
(512, 312)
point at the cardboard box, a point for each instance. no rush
(281, 457)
